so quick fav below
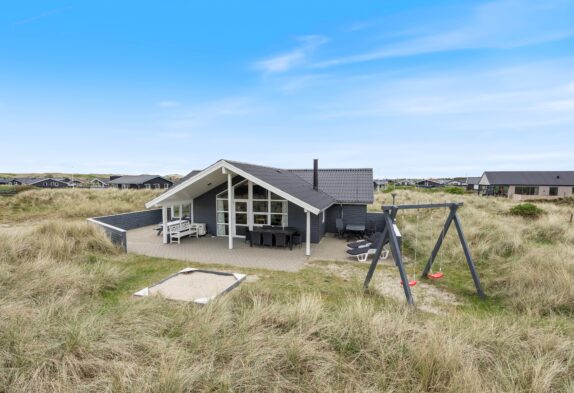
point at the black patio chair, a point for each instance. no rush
(267, 239)
(280, 240)
(255, 238)
(340, 225)
(248, 235)
(296, 240)
(267, 226)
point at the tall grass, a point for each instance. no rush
(72, 203)
(59, 332)
(527, 263)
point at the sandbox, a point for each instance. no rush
(194, 285)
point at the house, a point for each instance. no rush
(231, 197)
(72, 182)
(456, 183)
(404, 182)
(140, 182)
(4, 181)
(380, 184)
(100, 182)
(429, 183)
(47, 182)
(524, 185)
(472, 183)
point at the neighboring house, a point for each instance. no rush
(428, 183)
(230, 197)
(404, 182)
(140, 182)
(100, 182)
(75, 183)
(456, 183)
(472, 183)
(47, 182)
(380, 184)
(526, 185)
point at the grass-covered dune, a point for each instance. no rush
(70, 203)
(68, 321)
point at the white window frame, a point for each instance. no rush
(148, 186)
(250, 212)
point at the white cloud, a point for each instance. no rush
(494, 25)
(557, 106)
(296, 57)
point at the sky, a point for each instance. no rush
(408, 88)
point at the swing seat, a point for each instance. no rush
(412, 283)
(436, 275)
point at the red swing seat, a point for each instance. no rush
(412, 283)
(436, 275)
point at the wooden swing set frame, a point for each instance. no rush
(390, 236)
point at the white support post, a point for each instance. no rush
(308, 234)
(230, 203)
(192, 219)
(164, 223)
(250, 204)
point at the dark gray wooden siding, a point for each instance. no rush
(125, 222)
(351, 214)
(376, 220)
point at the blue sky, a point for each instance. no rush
(409, 88)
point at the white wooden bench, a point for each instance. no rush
(181, 229)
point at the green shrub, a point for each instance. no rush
(526, 210)
(454, 190)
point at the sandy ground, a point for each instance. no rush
(192, 286)
(386, 281)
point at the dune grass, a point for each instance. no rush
(68, 321)
(70, 203)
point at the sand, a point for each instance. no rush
(192, 286)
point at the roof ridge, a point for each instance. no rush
(331, 169)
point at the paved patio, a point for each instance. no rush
(210, 249)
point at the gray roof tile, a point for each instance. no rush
(137, 179)
(344, 185)
(531, 178)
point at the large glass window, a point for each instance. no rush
(241, 191)
(260, 206)
(186, 210)
(268, 209)
(553, 191)
(259, 192)
(526, 190)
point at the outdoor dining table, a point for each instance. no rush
(360, 229)
(289, 232)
